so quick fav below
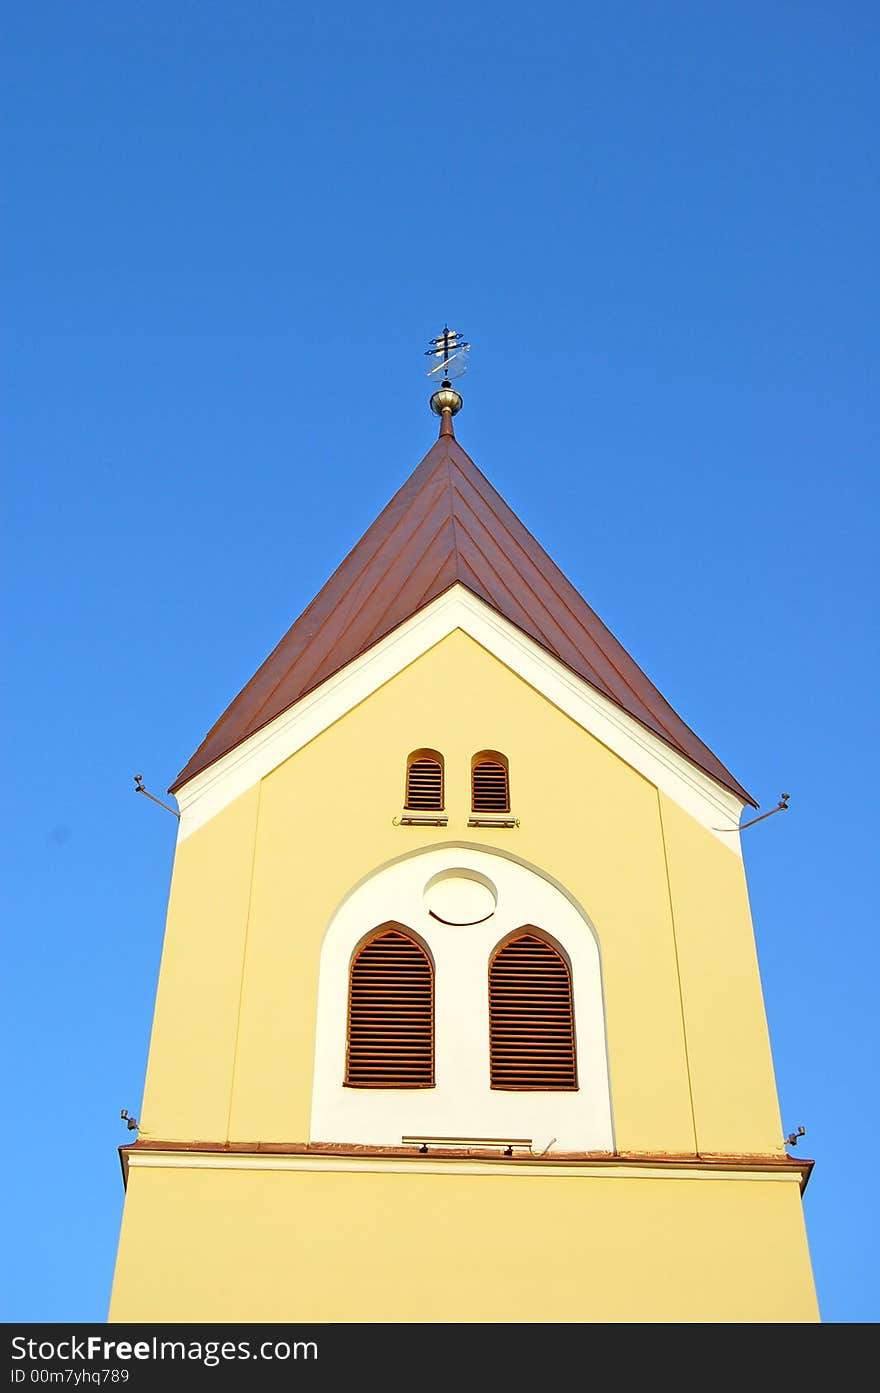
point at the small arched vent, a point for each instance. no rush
(531, 1020)
(424, 781)
(490, 784)
(390, 1014)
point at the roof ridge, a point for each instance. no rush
(451, 485)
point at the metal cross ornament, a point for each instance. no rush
(449, 348)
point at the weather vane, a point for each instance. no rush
(449, 348)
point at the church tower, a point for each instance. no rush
(459, 1015)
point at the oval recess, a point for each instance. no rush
(460, 897)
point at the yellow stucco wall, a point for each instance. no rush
(731, 1069)
(254, 889)
(316, 1246)
(195, 1023)
(231, 1056)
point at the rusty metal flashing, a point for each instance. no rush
(663, 1160)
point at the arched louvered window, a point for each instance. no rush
(490, 783)
(390, 1013)
(424, 781)
(531, 1020)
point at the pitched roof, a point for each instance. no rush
(447, 525)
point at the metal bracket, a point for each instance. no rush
(781, 807)
(139, 788)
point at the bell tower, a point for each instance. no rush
(459, 976)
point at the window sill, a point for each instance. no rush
(534, 1088)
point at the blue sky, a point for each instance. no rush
(230, 230)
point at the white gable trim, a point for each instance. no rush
(206, 794)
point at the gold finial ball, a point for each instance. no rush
(445, 399)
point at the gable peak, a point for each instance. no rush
(446, 525)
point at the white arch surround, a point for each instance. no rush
(461, 1103)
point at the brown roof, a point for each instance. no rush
(447, 525)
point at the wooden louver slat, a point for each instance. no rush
(390, 1014)
(531, 1017)
(490, 787)
(424, 784)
